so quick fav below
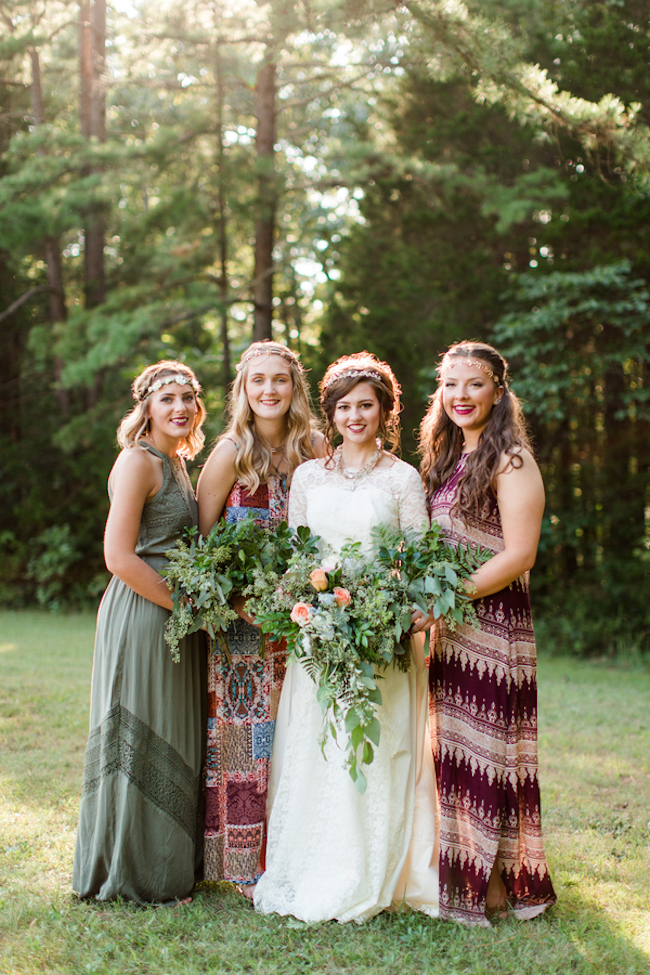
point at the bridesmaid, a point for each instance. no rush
(137, 834)
(271, 432)
(485, 488)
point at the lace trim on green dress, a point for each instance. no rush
(124, 745)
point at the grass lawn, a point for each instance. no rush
(594, 757)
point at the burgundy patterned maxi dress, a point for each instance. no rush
(483, 704)
(243, 696)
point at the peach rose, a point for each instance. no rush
(318, 579)
(301, 613)
(342, 596)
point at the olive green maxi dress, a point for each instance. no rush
(139, 835)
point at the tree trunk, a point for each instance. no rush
(92, 116)
(223, 228)
(265, 224)
(58, 310)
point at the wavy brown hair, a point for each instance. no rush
(346, 373)
(253, 461)
(136, 423)
(441, 441)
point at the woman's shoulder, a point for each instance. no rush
(135, 460)
(517, 458)
(403, 471)
(135, 464)
(308, 468)
(318, 443)
(222, 457)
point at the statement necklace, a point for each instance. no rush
(355, 474)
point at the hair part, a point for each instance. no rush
(253, 461)
(136, 424)
(441, 441)
(346, 373)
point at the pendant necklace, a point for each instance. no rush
(277, 450)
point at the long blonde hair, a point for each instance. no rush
(136, 423)
(253, 461)
(441, 441)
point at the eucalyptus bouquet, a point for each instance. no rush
(435, 573)
(204, 573)
(347, 622)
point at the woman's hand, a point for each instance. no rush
(239, 605)
(420, 621)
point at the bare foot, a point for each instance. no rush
(497, 895)
(247, 891)
(183, 902)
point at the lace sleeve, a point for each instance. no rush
(298, 498)
(412, 501)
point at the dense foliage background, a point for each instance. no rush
(176, 178)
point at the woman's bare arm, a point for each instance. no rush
(134, 478)
(520, 496)
(215, 484)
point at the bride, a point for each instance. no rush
(334, 853)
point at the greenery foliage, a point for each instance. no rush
(205, 573)
(435, 170)
(348, 622)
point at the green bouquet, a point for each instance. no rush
(204, 573)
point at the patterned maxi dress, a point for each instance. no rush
(483, 703)
(138, 836)
(243, 696)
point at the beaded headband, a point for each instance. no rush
(352, 374)
(177, 378)
(450, 361)
(286, 354)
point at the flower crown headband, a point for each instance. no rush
(286, 354)
(176, 378)
(449, 361)
(352, 374)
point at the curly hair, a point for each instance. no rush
(253, 461)
(441, 441)
(136, 423)
(346, 373)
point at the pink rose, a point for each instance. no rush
(301, 613)
(342, 596)
(318, 579)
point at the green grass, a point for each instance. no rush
(594, 758)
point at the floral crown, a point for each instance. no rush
(450, 360)
(176, 378)
(351, 374)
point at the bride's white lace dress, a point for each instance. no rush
(332, 852)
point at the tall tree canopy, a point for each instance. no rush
(178, 178)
